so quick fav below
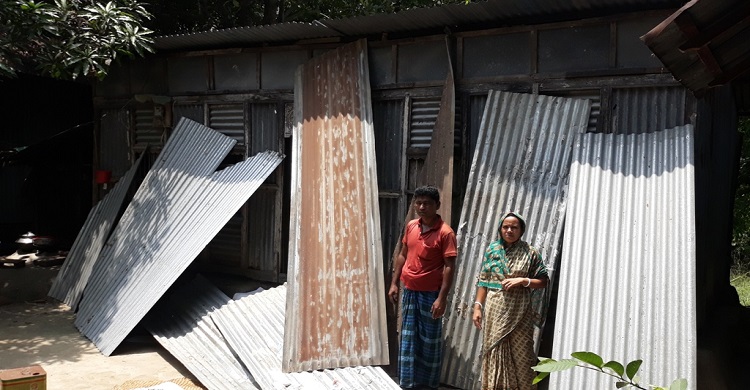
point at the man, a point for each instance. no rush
(425, 265)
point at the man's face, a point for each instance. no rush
(425, 206)
(510, 230)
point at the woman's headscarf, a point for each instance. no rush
(511, 214)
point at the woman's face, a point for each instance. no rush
(510, 229)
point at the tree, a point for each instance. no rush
(68, 39)
(741, 228)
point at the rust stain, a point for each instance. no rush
(335, 240)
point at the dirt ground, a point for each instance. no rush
(35, 330)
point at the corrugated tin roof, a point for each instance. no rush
(240, 36)
(79, 264)
(178, 209)
(705, 43)
(254, 327)
(336, 299)
(627, 276)
(493, 13)
(521, 163)
(181, 323)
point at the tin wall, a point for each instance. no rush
(650, 109)
(628, 271)
(336, 297)
(521, 163)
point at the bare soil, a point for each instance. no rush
(35, 330)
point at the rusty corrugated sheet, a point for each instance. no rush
(254, 327)
(76, 270)
(627, 276)
(336, 296)
(179, 208)
(521, 162)
(182, 324)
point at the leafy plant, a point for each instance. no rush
(625, 375)
(68, 39)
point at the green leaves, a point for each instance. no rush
(589, 357)
(551, 365)
(615, 366)
(70, 39)
(633, 368)
(625, 376)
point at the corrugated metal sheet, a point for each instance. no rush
(254, 328)
(335, 226)
(228, 119)
(243, 35)
(145, 131)
(76, 270)
(179, 208)
(181, 323)
(264, 127)
(497, 12)
(627, 277)
(226, 247)
(521, 163)
(424, 116)
(646, 110)
(424, 113)
(262, 211)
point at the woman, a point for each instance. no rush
(509, 299)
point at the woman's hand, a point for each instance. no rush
(477, 317)
(510, 284)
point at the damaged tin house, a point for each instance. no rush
(287, 154)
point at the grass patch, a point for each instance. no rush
(741, 282)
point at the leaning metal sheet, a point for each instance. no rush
(75, 271)
(179, 208)
(521, 163)
(336, 299)
(254, 327)
(627, 277)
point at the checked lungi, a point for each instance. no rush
(421, 349)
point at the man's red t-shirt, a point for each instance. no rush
(423, 270)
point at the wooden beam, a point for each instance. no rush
(721, 26)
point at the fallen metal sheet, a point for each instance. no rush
(336, 294)
(627, 279)
(521, 163)
(254, 327)
(178, 209)
(181, 323)
(76, 270)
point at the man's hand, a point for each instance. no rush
(393, 293)
(438, 308)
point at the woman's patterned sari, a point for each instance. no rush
(510, 317)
